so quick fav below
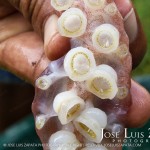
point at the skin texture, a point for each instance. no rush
(22, 51)
(51, 38)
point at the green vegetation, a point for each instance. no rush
(144, 13)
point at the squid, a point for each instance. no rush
(87, 90)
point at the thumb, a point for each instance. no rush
(40, 13)
(134, 30)
(139, 112)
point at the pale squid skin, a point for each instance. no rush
(120, 60)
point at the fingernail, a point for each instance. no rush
(131, 26)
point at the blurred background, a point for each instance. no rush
(142, 8)
(16, 96)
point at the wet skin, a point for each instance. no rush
(26, 57)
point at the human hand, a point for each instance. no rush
(26, 36)
(30, 60)
(27, 30)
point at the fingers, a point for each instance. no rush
(9, 27)
(139, 111)
(139, 45)
(126, 9)
(23, 56)
(134, 30)
(55, 45)
(12, 53)
(23, 48)
(124, 6)
(39, 13)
